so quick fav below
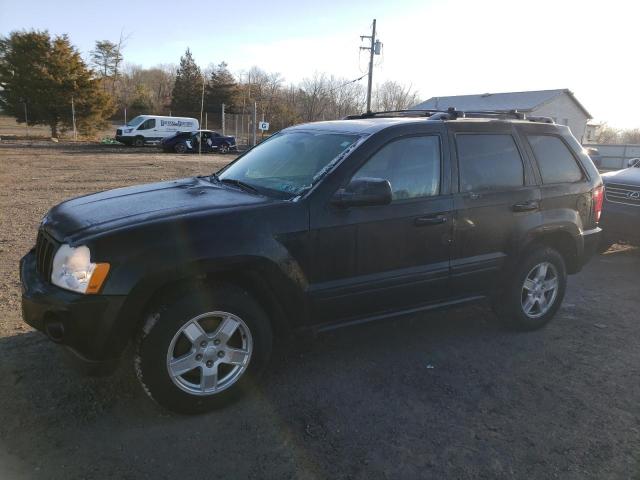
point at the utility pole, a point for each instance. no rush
(374, 49)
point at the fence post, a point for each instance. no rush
(223, 133)
(26, 120)
(255, 114)
(73, 116)
(235, 121)
(206, 121)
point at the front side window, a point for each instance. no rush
(411, 164)
(488, 162)
(151, 123)
(290, 162)
(557, 164)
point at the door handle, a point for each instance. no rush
(526, 206)
(433, 220)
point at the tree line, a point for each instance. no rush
(41, 75)
(616, 136)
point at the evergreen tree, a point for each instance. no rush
(45, 74)
(187, 89)
(221, 88)
(106, 57)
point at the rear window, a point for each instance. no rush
(557, 164)
(488, 162)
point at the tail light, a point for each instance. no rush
(597, 199)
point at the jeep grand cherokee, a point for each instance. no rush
(322, 225)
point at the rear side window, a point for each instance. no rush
(557, 164)
(411, 164)
(488, 162)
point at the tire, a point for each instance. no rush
(223, 148)
(179, 326)
(529, 306)
(138, 142)
(180, 148)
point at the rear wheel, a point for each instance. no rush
(180, 148)
(138, 142)
(202, 348)
(535, 291)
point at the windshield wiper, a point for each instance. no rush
(238, 183)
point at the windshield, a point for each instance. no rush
(135, 121)
(290, 162)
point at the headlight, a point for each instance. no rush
(73, 270)
(128, 130)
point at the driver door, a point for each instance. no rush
(379, 259)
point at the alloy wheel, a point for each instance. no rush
(209, 353)
(540, 290)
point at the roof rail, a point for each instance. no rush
(452, 114)
(392, 113)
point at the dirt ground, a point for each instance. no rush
(440, 395)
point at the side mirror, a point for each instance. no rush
(633, 162)
(363, 192)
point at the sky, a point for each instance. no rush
(438, 47)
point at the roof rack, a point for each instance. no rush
(452, 114)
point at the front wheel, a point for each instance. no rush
(224, 148)
(138, 142)
(180, 148)
(202, 348)
(535, 290)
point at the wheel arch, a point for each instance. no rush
(563, 240)
(271, 289)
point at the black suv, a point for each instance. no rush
(322, 225)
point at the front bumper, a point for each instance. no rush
(82, 323)
(124, 139)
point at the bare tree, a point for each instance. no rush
(607, 134)
(394, 96)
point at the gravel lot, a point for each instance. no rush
(441, 395)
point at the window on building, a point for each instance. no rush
(557, 164)
(488, 162)
(411, 164)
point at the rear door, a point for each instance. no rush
(497, 200)
(372, 260)
(565, 187)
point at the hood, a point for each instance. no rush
(122, 207)
(628, 176)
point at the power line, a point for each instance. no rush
(347, 83)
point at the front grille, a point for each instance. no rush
(119, 132)
(46, 248)
(618, 193)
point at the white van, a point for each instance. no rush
(153, 128)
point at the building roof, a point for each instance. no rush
(521, 101)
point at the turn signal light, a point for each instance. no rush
(98, 277)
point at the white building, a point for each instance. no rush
(561, 105)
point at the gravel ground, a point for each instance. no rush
(439, 395)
